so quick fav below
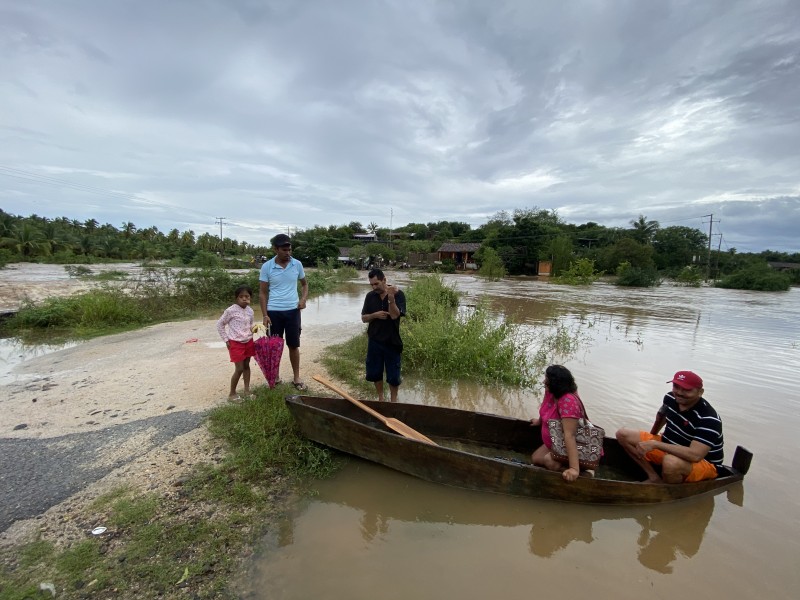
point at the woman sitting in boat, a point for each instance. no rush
(561, 401)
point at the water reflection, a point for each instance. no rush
(672, 530)
(398, 524)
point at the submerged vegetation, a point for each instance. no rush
(757, 277)
(190, 541)
(580, 272)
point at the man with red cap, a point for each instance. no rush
(691, 447)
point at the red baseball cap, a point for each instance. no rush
(687, 380)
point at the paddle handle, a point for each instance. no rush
(347, 396)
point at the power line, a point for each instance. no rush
(61, 183)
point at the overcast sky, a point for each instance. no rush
(295, 113)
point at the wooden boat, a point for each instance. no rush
(484, 452)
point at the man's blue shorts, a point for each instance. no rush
(380, 356)
(288, 322)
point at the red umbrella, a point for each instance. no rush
(269, 349)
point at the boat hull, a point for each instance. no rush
(481, 452)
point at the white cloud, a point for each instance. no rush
(281, 115)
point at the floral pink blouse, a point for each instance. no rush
(235, 324)
(568, 406)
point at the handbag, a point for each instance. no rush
(588, 438)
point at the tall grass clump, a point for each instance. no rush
(442, 341)
(262, 436)
(84, 313)
(428, 294)
(467, 344)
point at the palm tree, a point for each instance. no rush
(372, 227)
(128, 229)
(644, 230)
(27, 240)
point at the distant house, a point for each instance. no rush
(366, 237)
(344, 257)
(784, 266)
(461, 254)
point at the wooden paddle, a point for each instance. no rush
(391, 423)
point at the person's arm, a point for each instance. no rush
(303, 293)
(570, 427)
(394, 309)
(694, 452)
(221, 329)
(661, 419)
(263, 298)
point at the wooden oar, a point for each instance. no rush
(391, 423)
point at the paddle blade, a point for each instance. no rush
(407, 431)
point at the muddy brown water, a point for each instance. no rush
(370, 532)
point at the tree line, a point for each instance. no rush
(520, 239)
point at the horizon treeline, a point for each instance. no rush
(520, 238)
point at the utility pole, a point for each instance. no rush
(220, 220)
(391, 236)
(710, 225)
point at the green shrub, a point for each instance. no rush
(427, 294)
(206, 260)
(637, 276)
(759, 277)
(204, 287)
(6, 256)
(491, 264)
(580, 272)
(689, 277)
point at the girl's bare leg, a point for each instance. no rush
(246, 375)
(237, 373)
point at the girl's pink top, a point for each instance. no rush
(569, 407)
(236, 324)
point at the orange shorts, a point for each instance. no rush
(241, 350)
(700, 470)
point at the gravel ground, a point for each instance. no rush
(37, 474)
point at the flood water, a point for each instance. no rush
(370, 532)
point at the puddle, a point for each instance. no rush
(13, 353)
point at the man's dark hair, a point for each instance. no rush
(243, 288)
(376, 273)
(560, 381)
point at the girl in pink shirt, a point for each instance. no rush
(235, 327)
(560, 402)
